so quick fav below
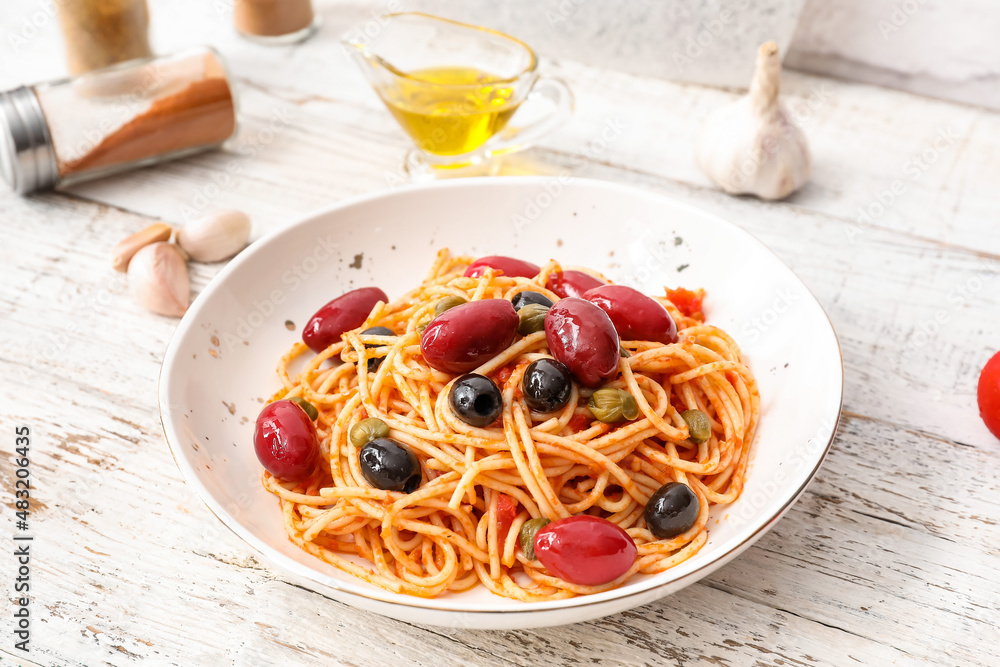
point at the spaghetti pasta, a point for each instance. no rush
(479, 485)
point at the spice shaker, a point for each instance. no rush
(129, 115)
(99, 33)
(275, 22)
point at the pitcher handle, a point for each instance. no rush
(519, 137)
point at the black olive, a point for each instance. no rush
(672, 510)
(390, 465)
(524, 298)
(547, 385)
(476, 400)
(375, 362)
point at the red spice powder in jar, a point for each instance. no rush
(128, 116)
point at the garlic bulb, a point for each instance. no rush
(217, 236)
(127, 247)
(158, 279)
(752, 146)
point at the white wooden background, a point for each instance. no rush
(886, 42)
(890, 557)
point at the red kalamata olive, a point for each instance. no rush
(583, 337)
(585, 550)
(635, 315)
(464, 337)
(285, 440)
(572, 283)
(511, 267)
(346, 312)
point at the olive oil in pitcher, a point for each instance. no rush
(454, 88)
(450, 110)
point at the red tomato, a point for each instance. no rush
(572, 283)
(504, 374)
(506, 513)
(585, 550)
(688, 302)
(989, 395)
(579, 422)
(510, 266)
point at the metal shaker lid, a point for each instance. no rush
(27, 157)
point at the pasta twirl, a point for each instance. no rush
(460, 527)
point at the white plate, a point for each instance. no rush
(220, 363)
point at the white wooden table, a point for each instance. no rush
(890, 557)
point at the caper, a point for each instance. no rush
(308, 407)
(367, 430)
(531, 318)
(623, 353)
(447, 303)
(611, 405)
(699, 428)
(526, 537)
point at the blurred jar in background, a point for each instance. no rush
(99, 33)
(275, 21)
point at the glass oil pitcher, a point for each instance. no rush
(458, 91)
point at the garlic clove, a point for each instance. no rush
(752, 146)
(128, 246)
(158, 279)
(215, 237)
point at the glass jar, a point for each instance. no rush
(99, 33)
(275, 22)
(126, 116)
